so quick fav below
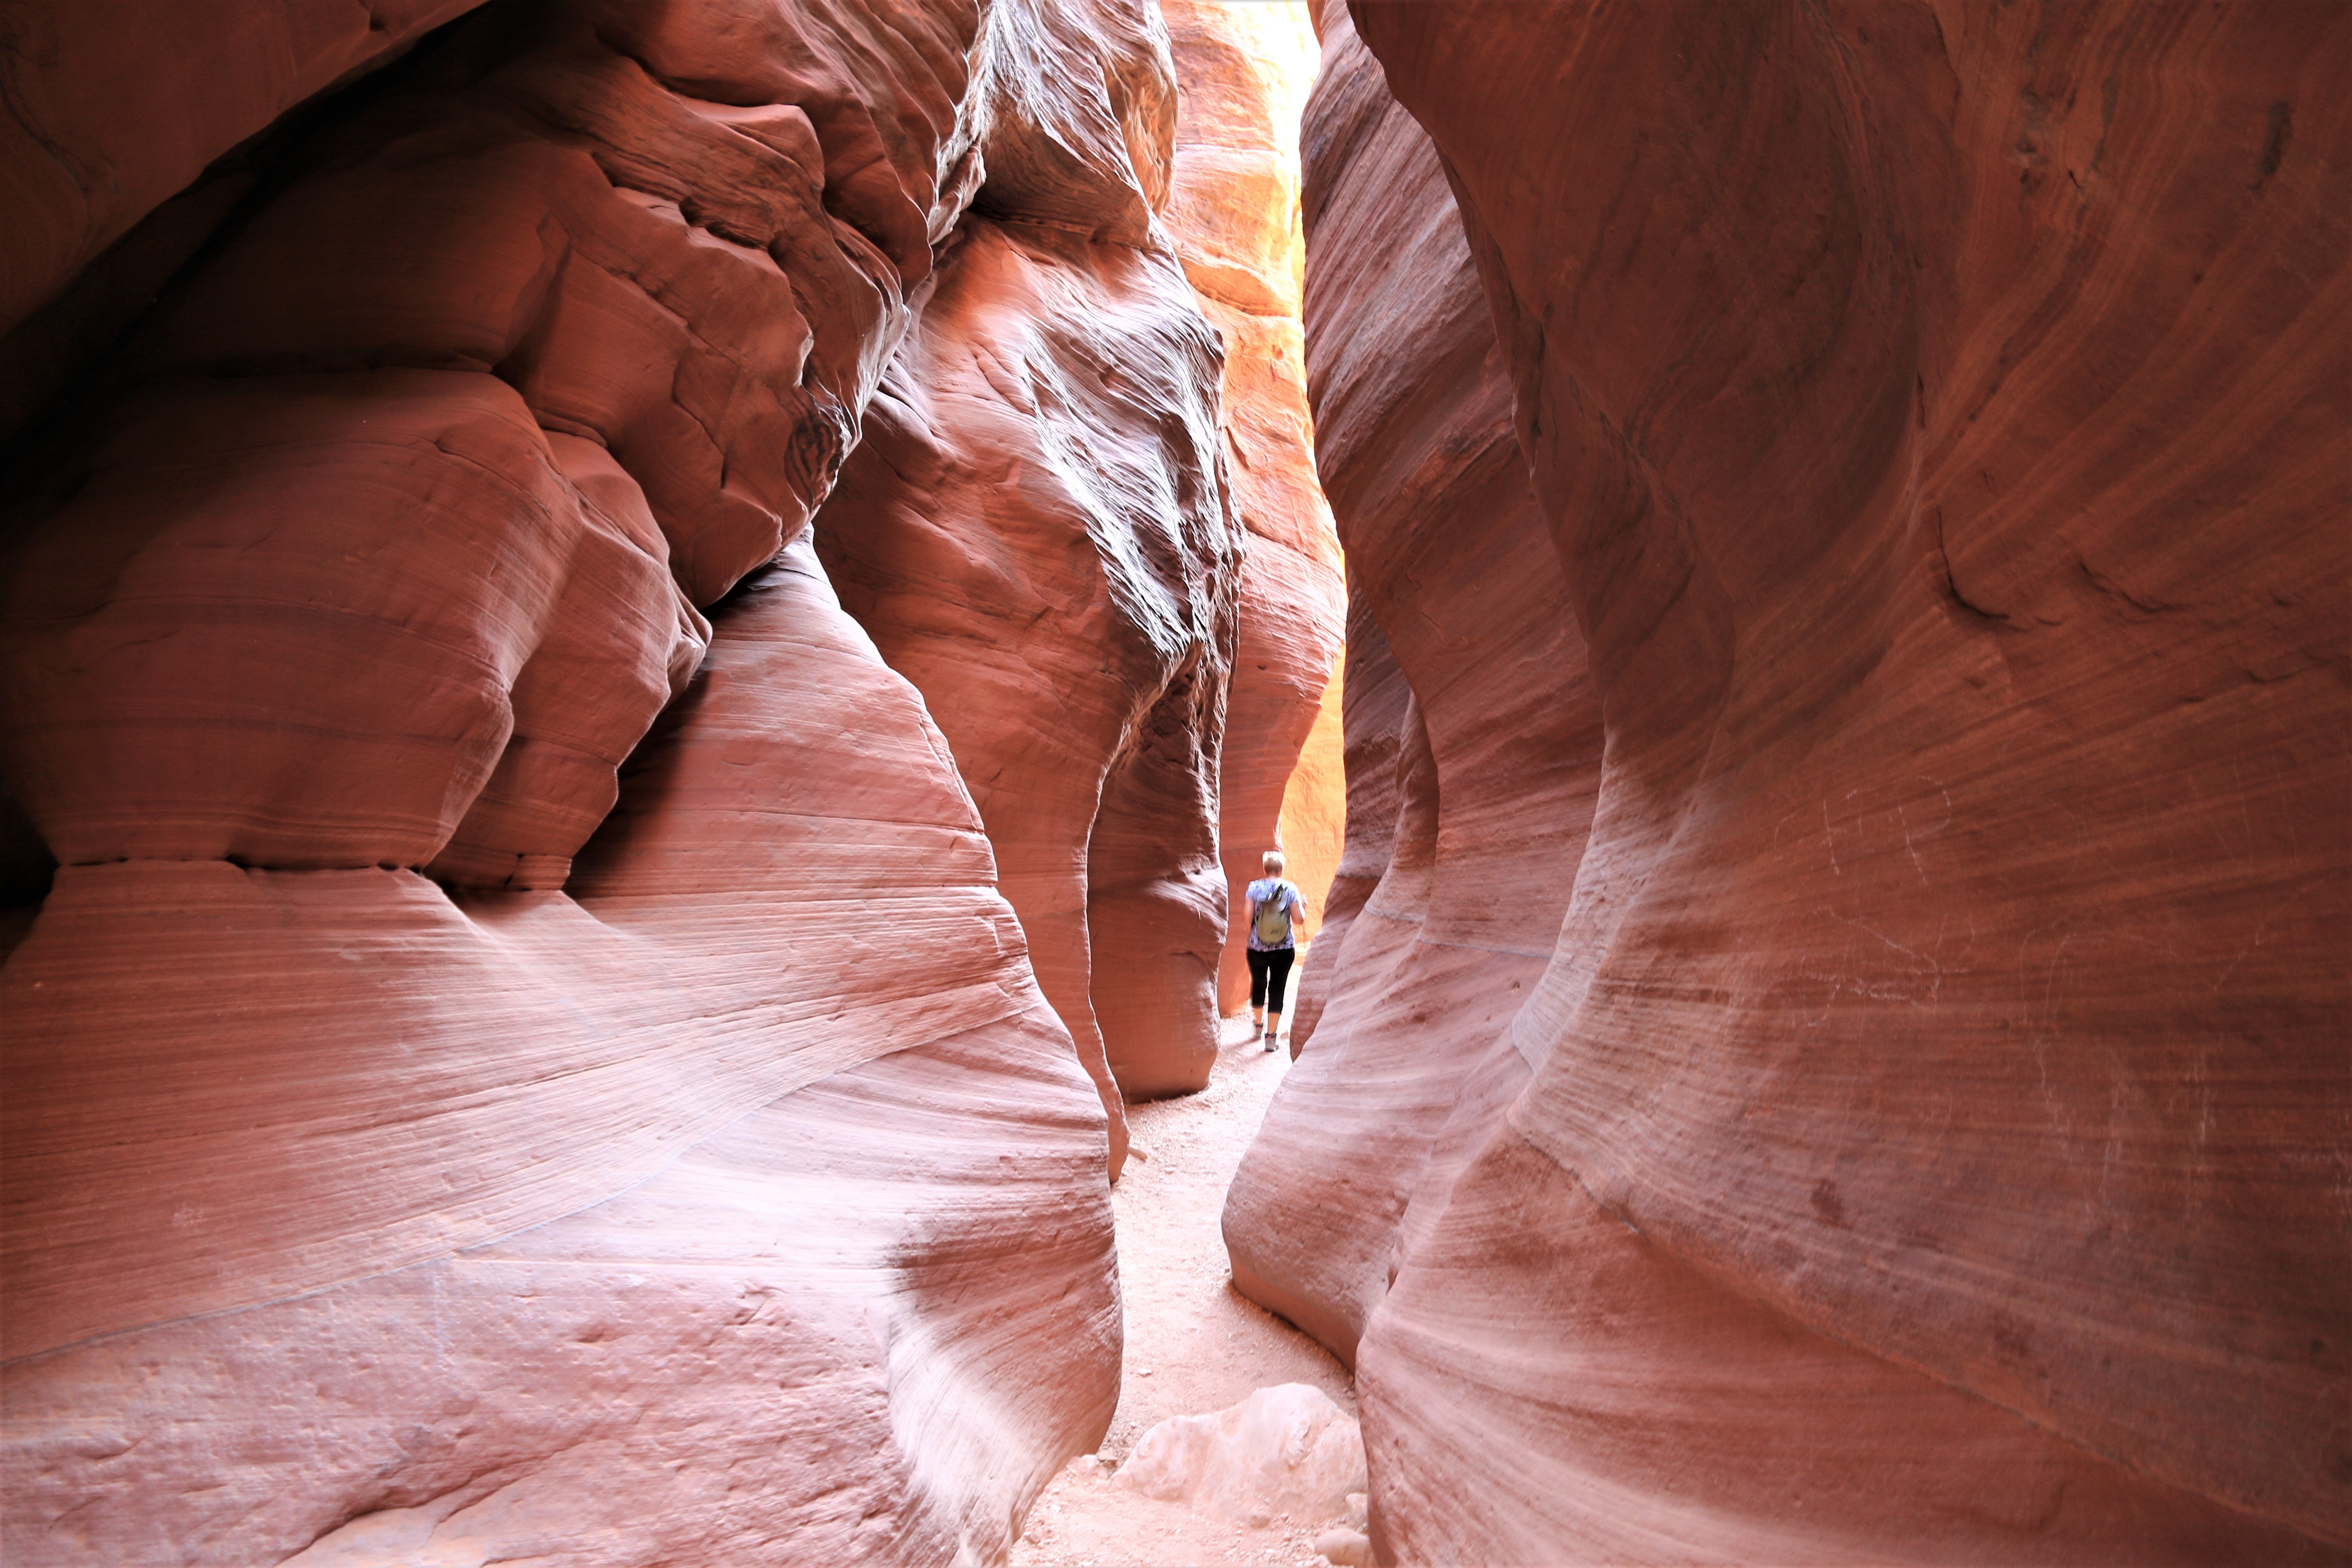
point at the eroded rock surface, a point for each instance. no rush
(1035, 534)
(522, 1129)
(587, 332)
(1932, 1097)
(509, 1200)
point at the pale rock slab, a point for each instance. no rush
(1287, 1450)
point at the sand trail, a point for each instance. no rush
(1193, 1343)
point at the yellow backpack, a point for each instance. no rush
(1273, 927)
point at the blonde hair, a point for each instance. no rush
(1271, 861)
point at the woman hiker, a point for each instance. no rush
(1275, 908)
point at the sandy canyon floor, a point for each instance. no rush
(1193, 1343)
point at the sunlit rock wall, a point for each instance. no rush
(525, 1054)
(1314, 820)
(1243, 70)
(1931, 1141)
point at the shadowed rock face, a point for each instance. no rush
(518, 1127)
(1931, 1145)
(110, 117)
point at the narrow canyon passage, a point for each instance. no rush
(646, 647)
(1194, 1345)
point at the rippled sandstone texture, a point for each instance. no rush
(1931, 1142)
(444, 1116)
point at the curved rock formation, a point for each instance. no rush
(981, 535)
(499, 1169)
(1939, 414)
(511, 1203)
(1232, 210)
(1035, 534)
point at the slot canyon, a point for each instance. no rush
(647, 649)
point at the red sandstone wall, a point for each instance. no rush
(108, 115)
(1939, 414)
(1036, 533)
(515, 1132)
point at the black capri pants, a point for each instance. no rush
(1269, 973)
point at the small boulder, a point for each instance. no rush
(1287, 1449)
(1345, 1548)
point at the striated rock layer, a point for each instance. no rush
(509, 1200)
(453, 1116)
(1930, 1144)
